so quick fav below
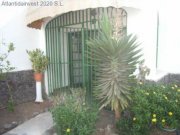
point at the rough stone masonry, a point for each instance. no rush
(22, 86)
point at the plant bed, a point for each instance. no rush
(106, 119)
(72, 115)
(153, 106)
(104, 125)
(22, 112)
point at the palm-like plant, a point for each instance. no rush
(115, 60)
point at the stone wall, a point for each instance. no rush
(22, 87)
(170, 78)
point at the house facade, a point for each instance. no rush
(63, 28)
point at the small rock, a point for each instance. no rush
(7, 126)
(101, 129)
(10, 126)
(14, 123)
(109, 130)
(35, 113)
(50, 131)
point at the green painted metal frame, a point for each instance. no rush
(59, 46)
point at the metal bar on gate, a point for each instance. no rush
(52, 60)
(60, 50)
(68, 58)
(83, 59)
(86, 58)
(55, 55)
(63, 65)
(47, 53)
(79, 57)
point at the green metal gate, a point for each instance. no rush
(66, 37)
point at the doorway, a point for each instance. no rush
(66, 37)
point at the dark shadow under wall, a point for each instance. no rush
(22, 86)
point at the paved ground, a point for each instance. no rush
(40, 125)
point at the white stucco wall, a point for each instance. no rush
(13, 29)
(142, 22)
(169, 37)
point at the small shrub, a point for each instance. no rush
(39, 60)
(5, 67)
(73, 116)
(153, 106)
(144, 71)
(10, 105)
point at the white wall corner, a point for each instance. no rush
(43, 47)
(156, 75)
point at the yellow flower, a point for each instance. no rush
(175, 86)
(154, 120)
(68, 130)
(163, 121)
(154, 115)
(176, 100)
(178, 90)
(165, 97)
(147, 93)
(154, 92)
(134, 119)
(140, 83)
(163, 86)
(170, 113)
(172, 88)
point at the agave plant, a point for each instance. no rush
(115, 60)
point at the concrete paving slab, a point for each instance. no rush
(35, 126)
